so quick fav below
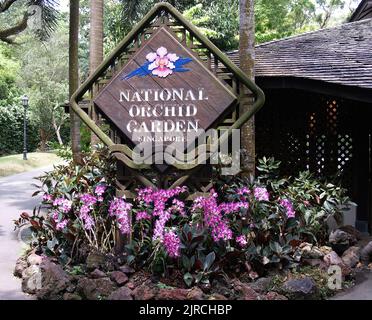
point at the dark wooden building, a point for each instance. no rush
(318, 114)
(364, 11)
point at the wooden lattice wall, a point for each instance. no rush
(327, 135)
(307, 131)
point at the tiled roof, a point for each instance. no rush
(364, 11)
(340, 55)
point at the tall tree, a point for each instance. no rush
(326, 10)
(247, 60)
(74, 76)
(96, 48)
(44, 77)
(96, 34)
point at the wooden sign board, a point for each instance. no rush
(164, 93)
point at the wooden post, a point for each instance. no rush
(247, 62)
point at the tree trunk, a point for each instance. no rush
(43, 140)
(247, 61)
(57, 130)
(74, 77)
(96, 49)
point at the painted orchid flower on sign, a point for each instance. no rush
(161, 62)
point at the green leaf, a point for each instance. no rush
(291, 223)
(188, 278)
(275, 259)
(198, 277)
(209, 259)
(276, 247)
(186, 263)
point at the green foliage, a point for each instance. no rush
(9, 94)
(197, 261)
(245, 223)
(70, 182)
(11, 131)
(218, 20)
(44, 76)
(44, 23)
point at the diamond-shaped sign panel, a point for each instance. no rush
(164, 94)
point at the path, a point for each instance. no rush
(15, 197)
(361, 291)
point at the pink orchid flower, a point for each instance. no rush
(161, 62)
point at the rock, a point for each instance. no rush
(275, 296)
(353, 231)
(217, 296)
(172, 294)
(95, 289)
(313, 262)
(311, 252)
(31, 279)
(144, 292)
(366, 254)
(126, 269)
(261, 285)
(333, 259)
(340, 241)
(244, 291)
(300, 289)
(20, 266)
(119, 277)
(34, 259)
(351, 256)
(195, 294)
(223, 287)
(316, 253)
(122, 293)
(71, 296)
(340, 236)
(131, 285)
(359, 265)
(95, 261)
(325, 250)
(96, 274)
(54, 281)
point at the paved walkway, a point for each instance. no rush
(361, 291)
(15, 197)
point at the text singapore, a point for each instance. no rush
(174, 104)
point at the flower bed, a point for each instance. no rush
(242, 227)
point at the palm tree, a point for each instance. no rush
(74, 77)
(96, 47)
(47, 12)
(247, 61)
(96, 34)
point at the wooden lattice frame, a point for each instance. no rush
(164, 15)
(317, 136)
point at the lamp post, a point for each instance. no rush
(25, 105)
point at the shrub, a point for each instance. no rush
(242, 224)
(11, 131)
(76, 199)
